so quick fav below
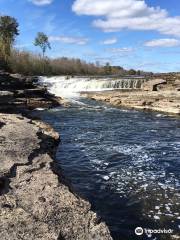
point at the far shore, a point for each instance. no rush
(161, 101)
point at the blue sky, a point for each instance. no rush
(140, 34)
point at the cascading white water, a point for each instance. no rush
(71, 87)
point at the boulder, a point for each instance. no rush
(152, 85)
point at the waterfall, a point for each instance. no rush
(71, 87)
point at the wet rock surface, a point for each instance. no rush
(35, 202)
(18, 93)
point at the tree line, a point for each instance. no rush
(28, 63)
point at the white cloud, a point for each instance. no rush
(114, 16)
(41, 2)
(120, 50)
(109, 41)
(164, 42)
(70, 40)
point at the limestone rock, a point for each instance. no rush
(153, 85)
(167, 101)
(34, 203)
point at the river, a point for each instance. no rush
(125, 162)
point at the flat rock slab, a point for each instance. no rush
(162, 101)
(34, 204)
(17, 141)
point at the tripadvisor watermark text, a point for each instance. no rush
(139, 231)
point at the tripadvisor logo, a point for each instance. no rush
(139, 231)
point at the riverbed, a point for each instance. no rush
(125, 162)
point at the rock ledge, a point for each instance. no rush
(34, 203)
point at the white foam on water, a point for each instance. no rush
(72, 86)
(106, 178)
(131, 179)
(40, 109)
(160, 115)
(140, 177)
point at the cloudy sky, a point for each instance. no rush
(140, 34)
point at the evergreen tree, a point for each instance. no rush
(8, 33)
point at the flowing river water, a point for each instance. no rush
(125, 162)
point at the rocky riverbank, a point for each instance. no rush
(35, 202)
(19, 93)
(161, 95)
(162, 101)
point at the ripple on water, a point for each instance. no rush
(142, 177)
(125, 162)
